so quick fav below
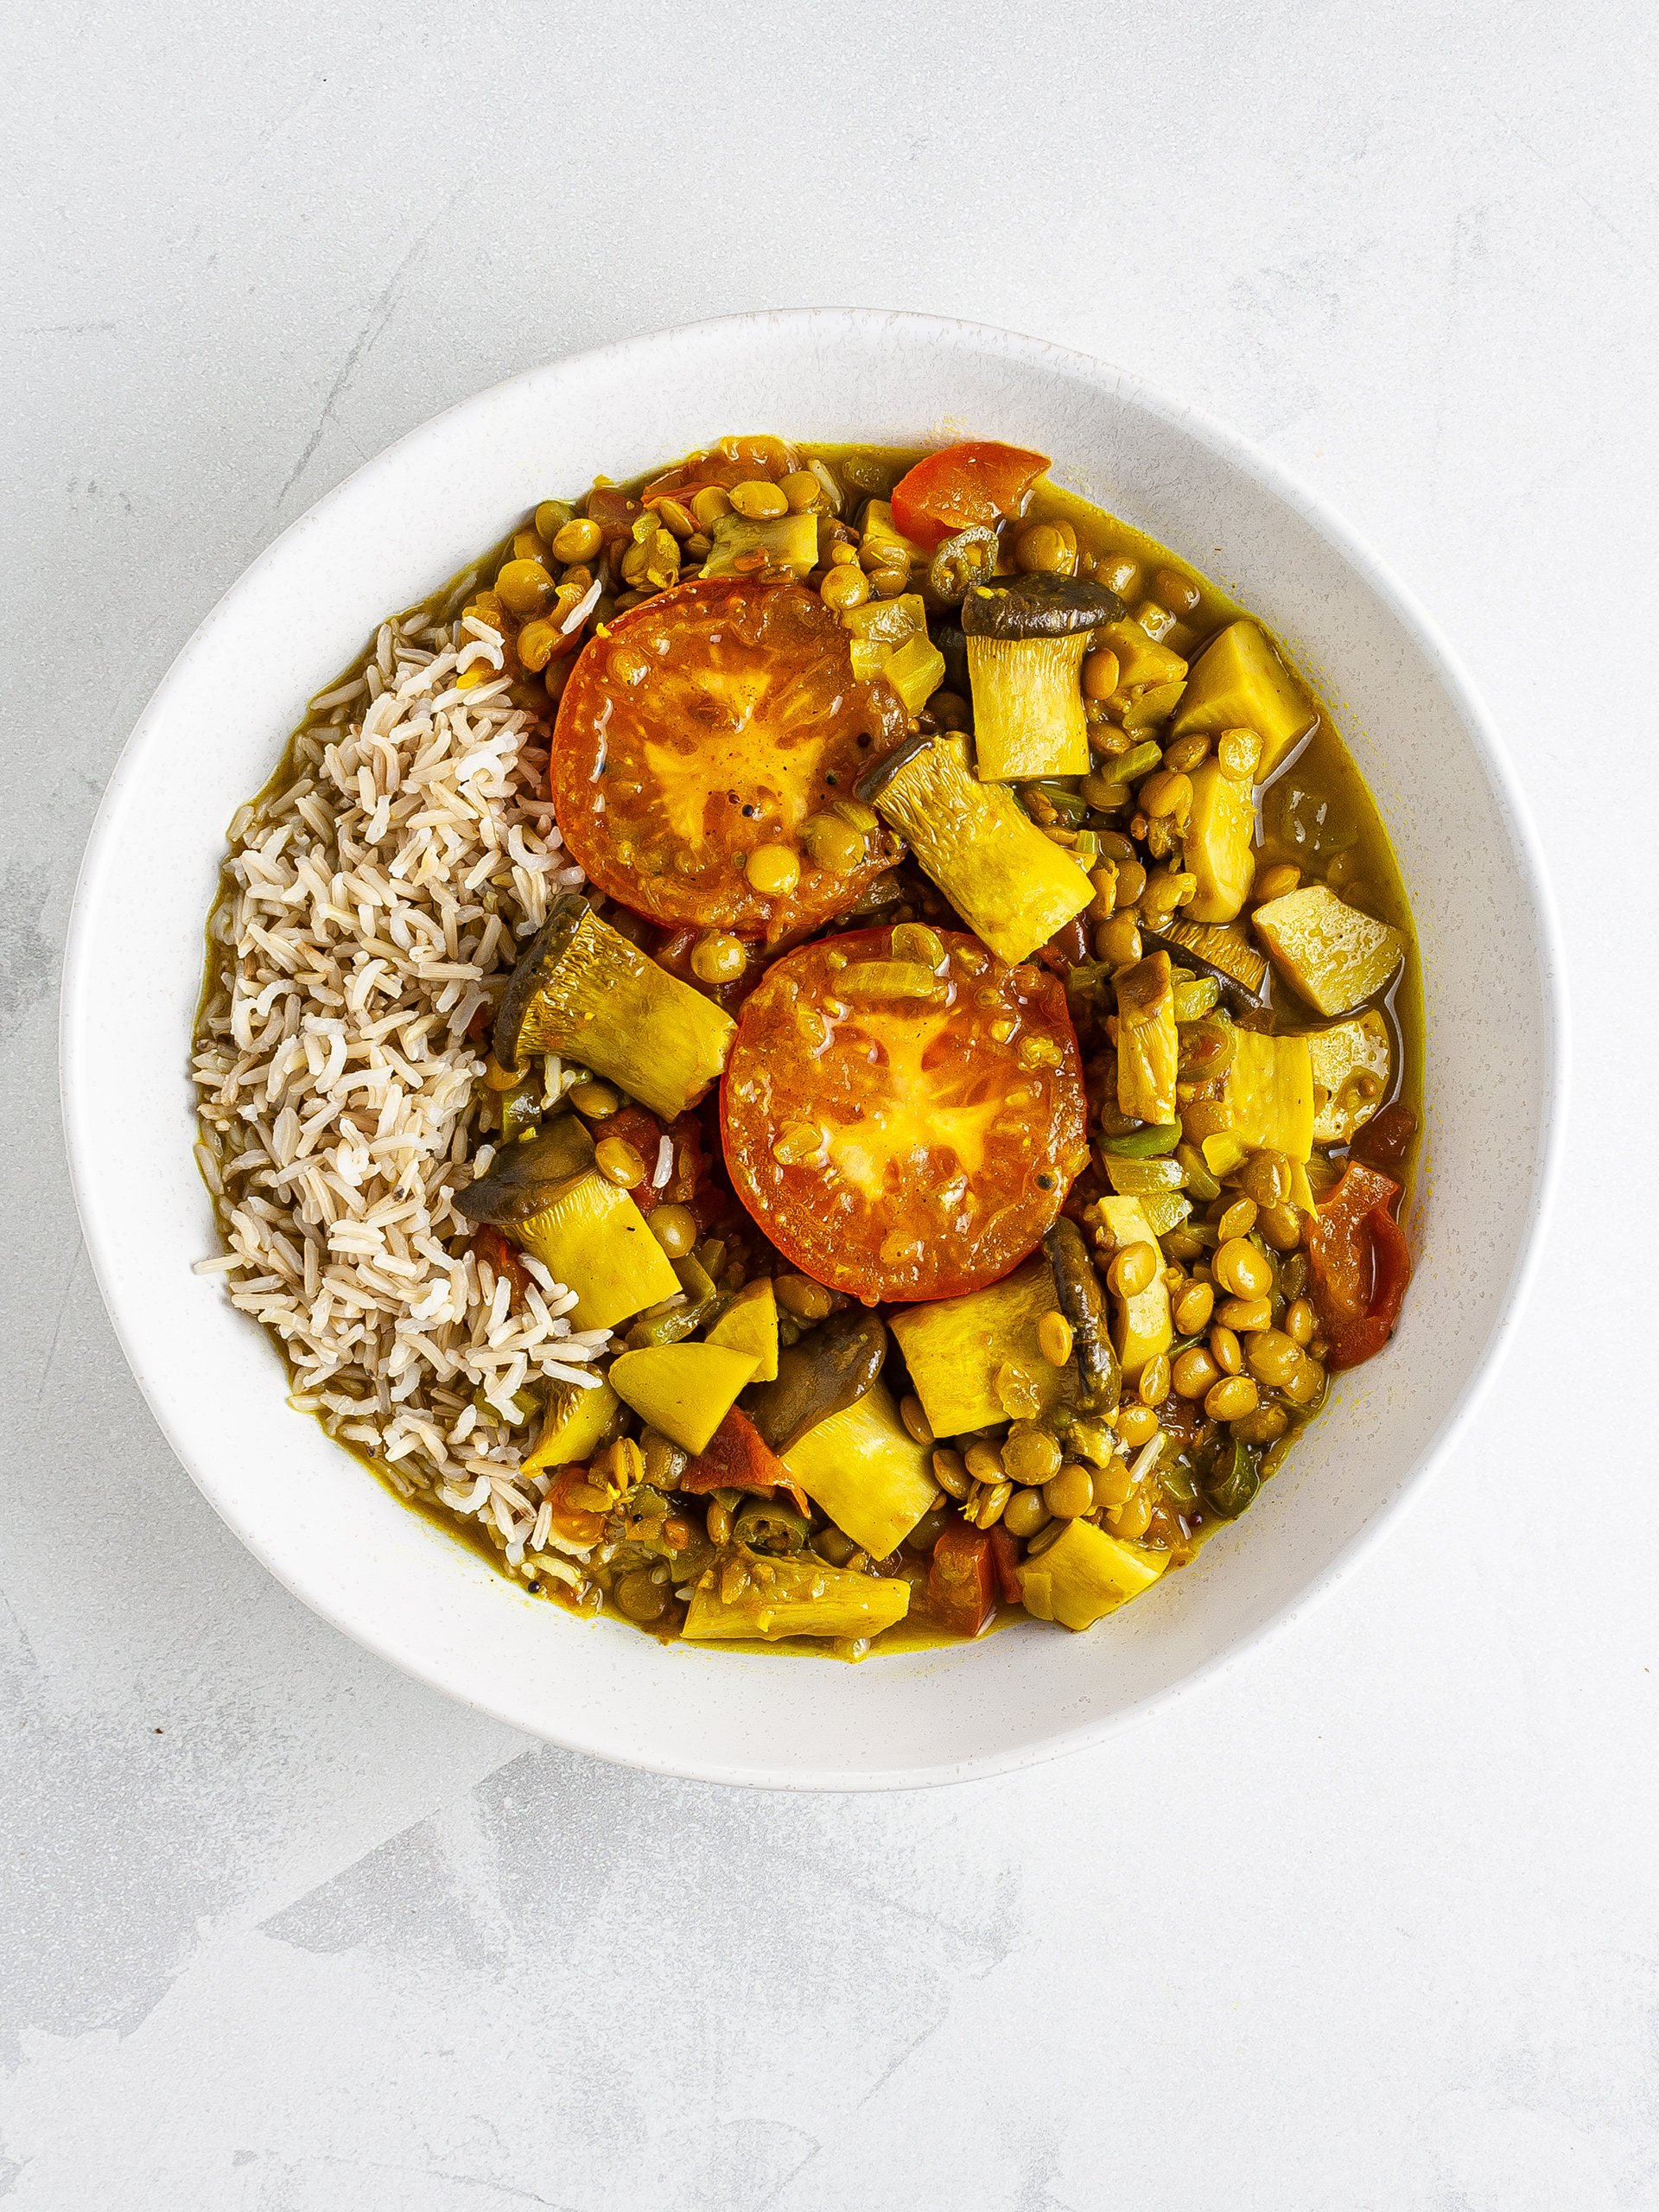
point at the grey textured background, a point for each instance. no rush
(1371, 1923)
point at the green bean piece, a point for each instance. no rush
(1148, 1143)
(1200, 1183)
(1140, 760)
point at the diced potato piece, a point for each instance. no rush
(1141, 1327)
(1220, 844)
(750, 1324)
(881, 626)
(866, 1471)
(1151, 707)
(794, 1596)
(1148, 1050)
(1086, 1574)
(789, 542)
(1351, 1065)
(890, 639)
(1141, 660)
(1330, 952)
(575, 1421)
(954, 1348)
(1239, 683)
(1223, 1152)
(915, 671)
(1166, 1211)
(684, 1389)
(592, 1238)
(1266, 1103)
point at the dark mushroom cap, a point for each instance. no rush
(831, 1368)
(527, 1175)
(1037, 607)
(565, 915)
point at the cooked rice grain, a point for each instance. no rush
(372, 905)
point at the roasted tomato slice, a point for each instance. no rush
(710, 724)
(979, 482)
(903, 1127)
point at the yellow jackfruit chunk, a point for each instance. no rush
(1084, 1574)
(1239, 683)
(789, 542)
(1141, 660)
(750, 1324)
(1141, 1327)
(572, 1426)
(592, 1237)
(1351, 1064)
(866, 1471)
(1266, 1103)
(955, 1347)
(1330, 952)
(1220, 844)
(890, 639)
(1148, 1049)
(686, 1389)
(793, 1597)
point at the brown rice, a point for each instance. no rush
(374, 900)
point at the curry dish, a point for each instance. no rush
(824, 1050)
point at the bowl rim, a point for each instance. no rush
(1283, 484)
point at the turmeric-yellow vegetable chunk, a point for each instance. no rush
(1220, 843)
(1330, 952)
(1084, 1574)
(1266, 1103)
(866, 1471)
(686, 1390)
(1148, 1050)
(750, 1324)
(572, 1426)
(773, 1598)
(1141, 1327)
(1351, 1064)
(1239, 683)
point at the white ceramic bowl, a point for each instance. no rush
(211, 737)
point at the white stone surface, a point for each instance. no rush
(1372, 1923)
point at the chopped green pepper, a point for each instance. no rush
(1234, 1480)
